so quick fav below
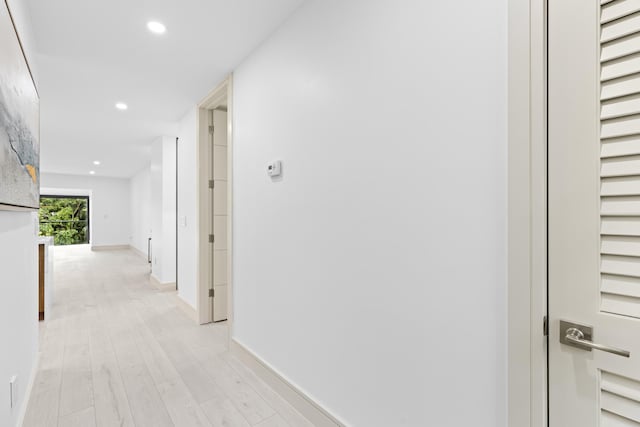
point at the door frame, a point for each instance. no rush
(221, 94)
(527, 351)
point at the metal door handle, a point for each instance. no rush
(580, 336)
(577, 337)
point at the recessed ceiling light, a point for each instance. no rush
(96, 162)
(121, 106)
(92, 172)
(156, 27)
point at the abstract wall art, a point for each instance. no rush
(19, 123)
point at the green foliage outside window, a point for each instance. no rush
(66, 219)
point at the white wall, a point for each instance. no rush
(140, 196)
(22, 20)
(168, 209)
(163, 208)
(156, 208)
(373, 275)
(110, 205)
(18, 308)
(18, 280)
(187, 208)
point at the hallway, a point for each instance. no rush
(118, 352)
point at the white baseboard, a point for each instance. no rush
(27, 394)
(303, 403)
(187, 308)
(110, 247)
(163, 286)
(138, 251)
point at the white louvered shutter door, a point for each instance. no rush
(594, 210)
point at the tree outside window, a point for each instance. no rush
(65, 218)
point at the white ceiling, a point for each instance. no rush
(92, 54)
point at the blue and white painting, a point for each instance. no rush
(19, 123)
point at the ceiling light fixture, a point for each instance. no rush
(96, 162)
(156, 27)
(121, 106)
(92, 172)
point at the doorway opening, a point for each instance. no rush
(214, 182)
(65, 218)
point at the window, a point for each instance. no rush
(66, 218)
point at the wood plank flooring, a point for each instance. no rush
(116, 351)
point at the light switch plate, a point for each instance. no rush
(274, 169)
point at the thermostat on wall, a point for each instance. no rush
(275, 168)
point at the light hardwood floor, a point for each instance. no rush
(116, 351)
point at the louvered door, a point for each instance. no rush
(594, 210)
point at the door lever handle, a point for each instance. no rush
(580, 336)
(577, 337)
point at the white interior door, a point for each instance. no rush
(594, 210)
(219, 217)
